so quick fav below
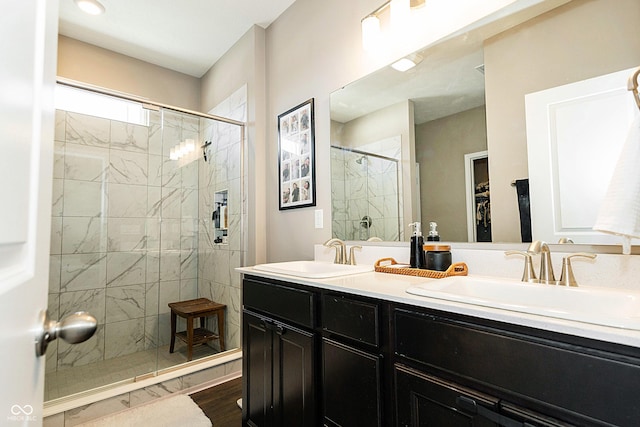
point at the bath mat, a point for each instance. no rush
(174, 411)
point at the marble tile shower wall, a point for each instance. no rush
(217, 279)
(110, 252)
(364, 186)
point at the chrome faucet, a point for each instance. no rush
(546, 267)
(341, 250)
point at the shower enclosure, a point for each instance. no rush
(132, 230)
(365, 195)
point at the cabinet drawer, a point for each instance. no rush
(281, 302)
(350, 318)
(588, 385)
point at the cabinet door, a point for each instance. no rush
(294, 385)
(257, 371)
(423, 400)
(351, 386)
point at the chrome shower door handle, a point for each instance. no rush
(75, 328)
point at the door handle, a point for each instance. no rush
(75, 328)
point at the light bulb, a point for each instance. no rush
(400, 10)
(182, 148)
(370, 33)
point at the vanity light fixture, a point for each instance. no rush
(400, 12)
(370, 32)
(92, 7)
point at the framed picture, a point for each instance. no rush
(296, 157)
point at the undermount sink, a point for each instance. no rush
(313, 269)
(599, 306)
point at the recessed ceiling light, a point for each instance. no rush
(403, 64)
(407, 63)
(92, 7)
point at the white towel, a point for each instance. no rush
(619, 213)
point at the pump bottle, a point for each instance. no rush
(416, 258)
(433, 235)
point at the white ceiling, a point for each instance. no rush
(188, 36)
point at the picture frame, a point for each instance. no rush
(296, 157)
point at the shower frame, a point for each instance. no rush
(156, 376)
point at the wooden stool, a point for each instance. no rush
(202, 308)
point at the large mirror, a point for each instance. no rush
(446, 141)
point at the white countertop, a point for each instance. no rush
(392, 287)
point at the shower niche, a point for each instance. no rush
(220, 217)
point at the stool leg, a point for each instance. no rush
(220, 316)
(189, 338)
(173, 331)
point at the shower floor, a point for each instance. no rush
(81, 378)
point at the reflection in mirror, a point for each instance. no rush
(448, 115)
(364, 188)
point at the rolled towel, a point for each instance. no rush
(619, 213)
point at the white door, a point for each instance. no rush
(28, 30)
(575, 134)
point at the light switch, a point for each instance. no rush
(319, 218)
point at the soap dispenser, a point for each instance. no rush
(433, 233)
(416, 258)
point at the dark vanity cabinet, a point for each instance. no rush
(510, 375)
(352, 362)
(316, 357)
(279, 355)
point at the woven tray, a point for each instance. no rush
(456, 269)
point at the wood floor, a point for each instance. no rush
(219, 403)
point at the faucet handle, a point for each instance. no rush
(352, 254)
(567, 278)
(528, 275)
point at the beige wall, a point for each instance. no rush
(244, 64)
(308, 58)
(314, 48)
(577, 41)
(100, 67)
(440, 148)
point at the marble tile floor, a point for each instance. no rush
(66, 382)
